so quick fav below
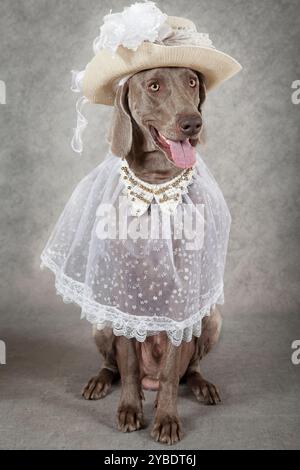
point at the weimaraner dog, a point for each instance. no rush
(140, 118)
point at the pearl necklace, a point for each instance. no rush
(141, 194)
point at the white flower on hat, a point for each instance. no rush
(137, 23)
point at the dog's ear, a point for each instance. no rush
(120, 134)
(202, 97)
(202, 89)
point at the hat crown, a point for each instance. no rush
(179, 23)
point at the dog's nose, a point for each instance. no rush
(190, 125)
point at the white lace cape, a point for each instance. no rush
(110, 315)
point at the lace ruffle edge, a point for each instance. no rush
(124, 324)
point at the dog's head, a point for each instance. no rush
(159, 110)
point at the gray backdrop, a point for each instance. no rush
(252, 149)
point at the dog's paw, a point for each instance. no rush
(130, 418)
(167, 429)
(204, 390)
(98, 386)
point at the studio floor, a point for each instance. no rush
(50, 357)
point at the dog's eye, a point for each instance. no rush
(192, 82)
(154, 86)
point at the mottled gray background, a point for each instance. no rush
(253, 151)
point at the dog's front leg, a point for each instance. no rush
(130, 411)
(167, 427)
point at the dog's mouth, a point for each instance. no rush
(180, 152)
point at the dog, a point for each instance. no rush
(152, 106)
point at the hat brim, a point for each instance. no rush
(105, 68)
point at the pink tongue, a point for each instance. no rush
(183, 153)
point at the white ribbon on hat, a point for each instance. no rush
(82, 122)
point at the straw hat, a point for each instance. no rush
(142, 37)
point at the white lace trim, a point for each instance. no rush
(123, 324)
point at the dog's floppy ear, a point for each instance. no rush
(120, 135)
(202, 89)
(202, 97)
